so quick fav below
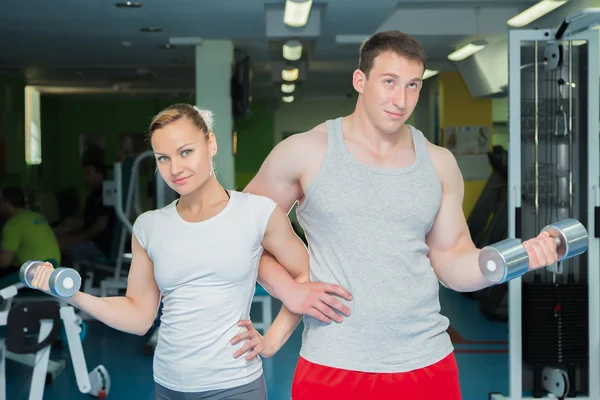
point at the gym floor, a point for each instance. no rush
(481, 351)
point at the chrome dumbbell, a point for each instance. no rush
(508, 258)
(63, 282)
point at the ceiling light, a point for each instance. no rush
(429, 73)
(534, 12)
(467, 51)
(151, 29)
(296, 12)
(288, 88)
(289, 75)
(292, 50)
(129, 4)
(287, 99)
(166, 46)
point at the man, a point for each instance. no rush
(382, 212)
(26, 235)
(93, 241)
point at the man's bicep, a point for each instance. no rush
(277, 232)
(450, 232)
(279, 176)
(281, 241)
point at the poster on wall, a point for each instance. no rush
(470, 145)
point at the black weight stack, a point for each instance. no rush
(555, 331)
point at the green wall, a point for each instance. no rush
(255, 141)
(12, 119)
(65, 117)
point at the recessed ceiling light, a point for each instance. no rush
(429, 73)
(167, 46)
(289, 74)
(296, 12)
(129, 4)
(288, 87)
(292, 50)
(151, 29)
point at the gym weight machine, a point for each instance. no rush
(554, 313)
(45, 317)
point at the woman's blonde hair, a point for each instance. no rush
(201, 118)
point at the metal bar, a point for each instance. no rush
(514, 202)
(570, 129)
(593, 105)
(536, 138)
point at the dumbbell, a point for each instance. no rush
(63, 282)
(508, 258)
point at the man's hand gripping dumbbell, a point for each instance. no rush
(509, 258)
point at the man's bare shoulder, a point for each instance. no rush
(305, 141)
(444, 162)
(292, 155)
(292, 161)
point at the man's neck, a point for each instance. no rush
(359, 128)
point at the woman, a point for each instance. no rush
(202, 252)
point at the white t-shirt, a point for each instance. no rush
(206, 272)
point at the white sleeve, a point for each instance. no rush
(262, 209)
(142, 228)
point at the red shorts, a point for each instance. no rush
(318, 382)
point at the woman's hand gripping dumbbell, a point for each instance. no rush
(509, 258)
(60, 282)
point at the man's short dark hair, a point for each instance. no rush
(14, 195)
(395, 41)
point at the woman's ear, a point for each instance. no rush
(212, 144)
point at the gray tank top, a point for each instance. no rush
(366, 229)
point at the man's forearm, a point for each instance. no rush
(461, 272)
(274, 277)
(277, 281)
